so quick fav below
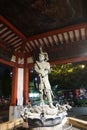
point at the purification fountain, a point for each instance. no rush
(45, 116)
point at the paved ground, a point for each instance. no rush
(78, 112)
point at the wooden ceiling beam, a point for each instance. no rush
(29, 50)
(53, 41)
(54, 32)
(17, 54)
(80, 34)
(74, 36)
(69, 39)
(71, 60)
(82, 45)
(10, 63)
(44, 44)
(14, 29)
(39, 44)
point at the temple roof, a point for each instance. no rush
(56, 25)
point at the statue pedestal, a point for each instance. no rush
(45, 118)
(48, 125)
(59, 126)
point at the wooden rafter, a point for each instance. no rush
(17, 42)
(11, 27)
(57, 31)
(14, 29)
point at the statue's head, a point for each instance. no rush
(41, 57)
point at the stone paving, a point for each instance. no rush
(78, 112)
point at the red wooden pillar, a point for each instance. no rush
(25, 92)
(14, 86)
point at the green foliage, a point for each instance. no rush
(80, 102)
(69, 75)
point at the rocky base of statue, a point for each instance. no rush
(44, 116)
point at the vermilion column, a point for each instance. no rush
(14, 86)
(25, 92)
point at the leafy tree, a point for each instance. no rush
(69, 75)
